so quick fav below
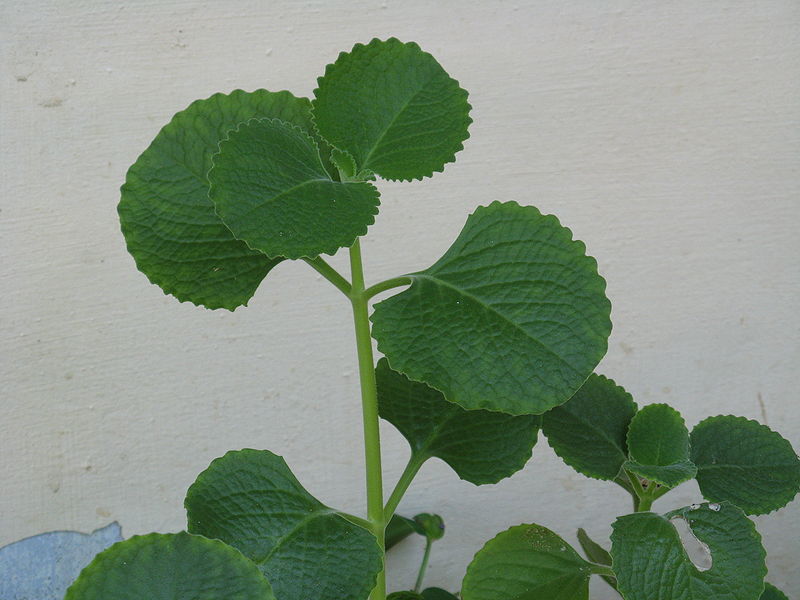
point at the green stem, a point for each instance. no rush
(602, 570)
(424, 565)
(369, 406)
(645, 504)
(387, 285)
(412, 468)
(331, 274)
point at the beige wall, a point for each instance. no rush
(664, 134)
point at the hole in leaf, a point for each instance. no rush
(697, 551)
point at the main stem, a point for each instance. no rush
(369, 405)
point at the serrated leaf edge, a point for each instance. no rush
(329, 250)
(376, 41)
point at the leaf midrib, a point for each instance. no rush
(320, 512)
(493, 311)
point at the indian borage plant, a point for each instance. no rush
(507, 325)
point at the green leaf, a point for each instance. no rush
(404, 595)
(651, 564)
(772, 593)
(172, 566)
(589, 431)
(398, 529)
(393, 108)
(481, 446)
(271, 189)
(746, 463)
(658, 445)
(169, 222)
(435, 593)
(596, 554)
(250, 500)
(527, 562)
(513, 317)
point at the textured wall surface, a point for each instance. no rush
(666, 135)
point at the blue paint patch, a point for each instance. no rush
(42, 567)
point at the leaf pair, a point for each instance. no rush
(649, 560)
(269, 535)
(210, 235)
(600, 433)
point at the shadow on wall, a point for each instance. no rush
(43, 566)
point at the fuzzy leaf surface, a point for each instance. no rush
(589, 431)
(513, 318)
(252, 501)
(393, 108)
(527, 562)
(172, 566)
(651, 564)
(271, 189)
(744, 462)
(481, 446)
(658, 445)
(169, 222)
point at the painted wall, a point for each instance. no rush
(664, 134)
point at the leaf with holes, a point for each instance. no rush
(172, 566)
(589, 431)
(746, 463)
(393, 108)
(513, 317)
(527, 562)
(250, 500)
(651, 564)
(169, 222)
(271, 189)
(658, 445)
(481, 446)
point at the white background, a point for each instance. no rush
(665, 134)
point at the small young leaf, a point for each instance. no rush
(432, 526)
(398, 529)
(172, 566)
(651, 563)
(589, 431)
(746, 463)
(169, 222)
(271, 189)
(481, 446)
(250, 500)
(527, 562)
(772, 593)
(513, 318)
(658, 445)
(393, 108)
(596, 554)
(435, 593)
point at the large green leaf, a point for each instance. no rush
(589, 431)
(651, 564)
(481, 446)
(250, 500)
(168, 220)
(513, 317)
(658, 445)
(527, 562)
(393, 108)
(271, 189)
(744, 462)
(172, 566)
